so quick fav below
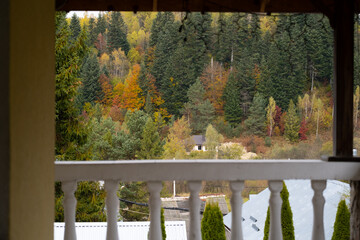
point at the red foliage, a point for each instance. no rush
(101, 44)
(303, 130)
(277, 115)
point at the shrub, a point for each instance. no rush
(212, 225)
(268, 141)
(342, 222)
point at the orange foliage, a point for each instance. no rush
(214, 79)
(117, 94)
(256, 75)
(107, 90)
(131, 98)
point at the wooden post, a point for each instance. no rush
(343, 24)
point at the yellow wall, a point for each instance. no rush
(32, 122)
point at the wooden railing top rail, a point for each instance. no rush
(208, 170)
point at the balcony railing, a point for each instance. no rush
(194, 172)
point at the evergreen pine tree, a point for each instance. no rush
(342, 222)
(100, 27)
(232, 104)
(212, 225)
(75, 27)
(255, 124)
(287, 224)
(92, 33)
(201, 110)
(150, 145)
(90, 90)
(117, 33)
(292, 123)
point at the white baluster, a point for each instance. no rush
(275, 210)
(69, 189)
(236, 207)
(195, 229)
(318, 205)
(112, 209)
(155, 210)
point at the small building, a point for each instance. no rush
(199, 141)
(300, 198)
(175, 230)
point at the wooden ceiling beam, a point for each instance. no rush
(276, 6)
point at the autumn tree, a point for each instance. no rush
(292, 123)
(119, 63)
(319, 108)
(214, 80)
(132, 98)
(356, 106)
(270, 115)
(106, 88)
(178, 140)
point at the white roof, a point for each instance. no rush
(175, 230)
(300, 198)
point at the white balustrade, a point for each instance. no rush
(69, 188)
(275, 210)
(155, 210)
(194, 202)
(234, 171)
(236, 207)
(318, 205)
(112, 209)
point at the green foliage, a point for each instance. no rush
(137, 192)
(342, 222)
(212, 225)
(199, 110)
(90, 206)
(71, 133)
(117, 33)
(268, 141)
(292, 124)
(90, 90)
(213, 139)
(231, 151)
(267, 225)
(75, 27)
(287, 225)
(150, 145)
(163, 231)
(255, 124)
(232, 106)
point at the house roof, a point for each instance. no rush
(198, 139)
(300, 198)
(175, 230)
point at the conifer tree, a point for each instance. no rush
(75, 27)
(91, 90)
(201, 110)
(150, 145)
(342, 222)
(212, 224)
(287, 225)
(292, 124)
(100, 27)
(232, 104)
(117, 33)
(70, 133)
(255, 124)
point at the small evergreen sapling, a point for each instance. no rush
(212, 225)
(342, 222)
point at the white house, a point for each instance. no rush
(199, 141)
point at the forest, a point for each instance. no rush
(138, 86)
